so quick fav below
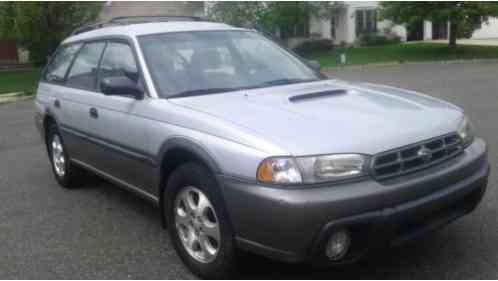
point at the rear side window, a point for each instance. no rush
(83, 73)
(57, 69)
(118, 61)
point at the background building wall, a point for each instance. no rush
(114, 9)
(489, 30)
(347, 24)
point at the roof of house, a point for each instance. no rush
(133, 30)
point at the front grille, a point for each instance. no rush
(415, 157)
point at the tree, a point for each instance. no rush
(271, 16)
(464, 17)
(41, 26)
(242, 14)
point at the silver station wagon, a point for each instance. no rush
(243, 145)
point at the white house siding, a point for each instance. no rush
(344, 30)
(427, 30)
(321, 27)
(487, 31)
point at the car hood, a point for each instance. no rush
(331, 116)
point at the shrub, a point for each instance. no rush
(311, 46)
(378, 40)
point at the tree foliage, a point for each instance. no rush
(271, 16)
(41, 26)
(242, 14)
(464, 17)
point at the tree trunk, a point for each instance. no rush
(453, 34)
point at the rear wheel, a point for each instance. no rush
(65, 172)
(198, 223)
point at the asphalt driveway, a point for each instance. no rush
(100, 231)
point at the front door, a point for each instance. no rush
(439, 30)
(118, 133)
(415, 31)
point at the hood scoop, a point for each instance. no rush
(317, 95)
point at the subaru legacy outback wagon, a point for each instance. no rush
(245, 146)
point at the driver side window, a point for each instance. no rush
(83, 72)
(118, 61)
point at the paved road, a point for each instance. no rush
(102, 232)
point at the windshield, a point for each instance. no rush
(206, 62)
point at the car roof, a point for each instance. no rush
(133, 30)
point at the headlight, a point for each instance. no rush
(279, 170)
(465, 132)
(313, 169)
(332, 167)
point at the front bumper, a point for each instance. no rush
(293, 224)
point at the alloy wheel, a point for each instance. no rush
(58, 158)
(197, 225)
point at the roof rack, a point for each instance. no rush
(127, 20)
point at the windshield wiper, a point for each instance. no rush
(286, 81)
(199, 92)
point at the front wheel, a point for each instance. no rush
(197, 222)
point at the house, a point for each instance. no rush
(428, 30)
(356, 18)
(113, 9)
(352, 20)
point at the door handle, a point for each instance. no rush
(94, 113)
(57, 103)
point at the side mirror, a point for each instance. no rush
(315, 65)
(121, 86)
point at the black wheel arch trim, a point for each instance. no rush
(191, 146)
(47, 113)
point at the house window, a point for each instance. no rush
(332, 27)
(366, 21)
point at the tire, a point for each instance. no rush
(186, 181)
(66, 173)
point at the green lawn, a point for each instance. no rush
(411, 52)
(19, 80)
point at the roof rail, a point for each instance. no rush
(92, 26)
(127, 20)
(156, 18)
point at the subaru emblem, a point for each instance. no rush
(425, 154)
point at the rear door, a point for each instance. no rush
(52, 82)
(75, 99)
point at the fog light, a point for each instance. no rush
(338, 245)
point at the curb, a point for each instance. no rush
(13, 97)
(15, 67)
(395, 63)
